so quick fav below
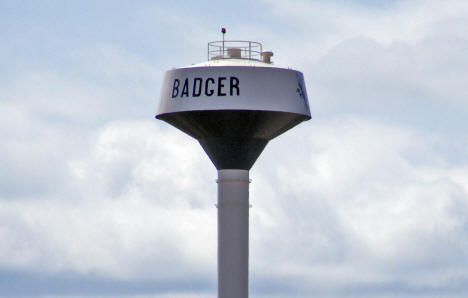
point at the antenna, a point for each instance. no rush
(223, 31)
(233, 106)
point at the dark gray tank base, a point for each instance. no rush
(233, 139)
(233, 153)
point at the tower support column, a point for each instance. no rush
(233, 233)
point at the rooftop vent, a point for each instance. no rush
(234, 53)
(266, 57)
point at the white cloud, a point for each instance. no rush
(123, 219)
(356, 209)
(346, 207)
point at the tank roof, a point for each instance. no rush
(232, 62)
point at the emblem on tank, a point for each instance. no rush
(300, 90)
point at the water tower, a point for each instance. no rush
(233, 105)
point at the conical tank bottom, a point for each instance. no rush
(233, 139)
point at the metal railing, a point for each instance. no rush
(237, 49)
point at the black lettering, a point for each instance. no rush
(234, 84)
(175, 88)
(220, 86)
(185, 89)
(209, 92)
(196, 92)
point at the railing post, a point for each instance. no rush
(223, 46)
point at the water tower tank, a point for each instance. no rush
(233, 104)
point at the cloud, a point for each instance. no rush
(362, 211)
(349, 204)
(119, 218)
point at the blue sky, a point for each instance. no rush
(368, 199)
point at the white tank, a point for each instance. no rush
(234, 103)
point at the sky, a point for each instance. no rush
(368, 199)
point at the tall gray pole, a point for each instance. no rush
(233, 233)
